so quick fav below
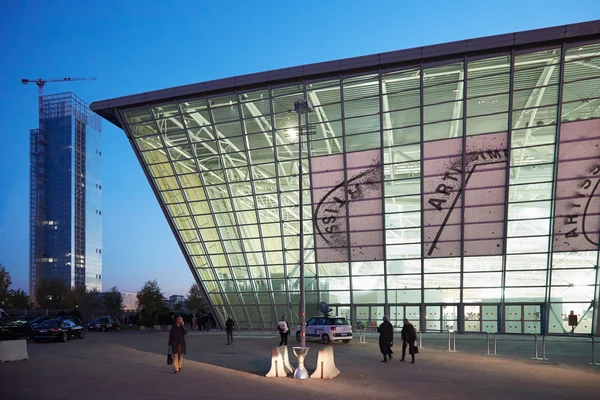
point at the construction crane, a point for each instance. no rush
(42, 82)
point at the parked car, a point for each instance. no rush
(55, 329)
(39, 320)
(26, 318)
(71, 318)
(327, 329)
(104, 323)
(3, 314)
(14, 328)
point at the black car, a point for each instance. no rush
(104, 323)
(71, 318)
(14, 328)
(39, 320)
(56, 329)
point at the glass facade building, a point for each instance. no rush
(66, 194)
(454, 185)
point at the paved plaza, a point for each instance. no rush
(131, 365)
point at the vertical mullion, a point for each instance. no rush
(258, 224)
(203, 183)
(460, 311)
(348, 250)
(501, 314)
(387, 310)
(422, 313)
(212, 211)
(596, 301)
(550, 259)
(288, 301)
(310, 185)
(279, 211)
(167, 215)
(234, 212)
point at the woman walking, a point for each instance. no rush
(386, 337)
(177, 343)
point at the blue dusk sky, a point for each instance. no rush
(138, 46)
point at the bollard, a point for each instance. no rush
(362, 337)
(449, 343)
(454, 340)
(535, 343)
(488, 344)
(326, 368)
(544, 348)
(594, 352)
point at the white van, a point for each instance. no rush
(327, 329)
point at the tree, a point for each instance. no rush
(76, 298)
(52, 294)
(113, 301)
(195, 300)
(93, 300)
(5, 283)
(178, 308)
(150, 297)
(18, 299)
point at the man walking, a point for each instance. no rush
(194, 323)
(386, 338)
(409, 336)
(284, 331)
(229, 324)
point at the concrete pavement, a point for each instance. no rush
(131, 365)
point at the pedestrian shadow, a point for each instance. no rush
(111, 361)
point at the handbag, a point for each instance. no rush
(169, 357)
(415, 349)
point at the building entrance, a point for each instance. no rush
(340, 311)
(521, 318)
(368, 317)
(399, 312)
(481, 318)
(439, 317)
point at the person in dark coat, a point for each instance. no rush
(177, 343)
(386, 338)
(229, 324)
(204, 322)
(409, 336)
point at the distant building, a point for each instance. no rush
(176, 298)
(129, 301)
(66, 194)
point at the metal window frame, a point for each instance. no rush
(165, 211)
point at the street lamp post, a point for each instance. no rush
(301, 106)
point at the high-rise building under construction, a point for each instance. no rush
(66, 194)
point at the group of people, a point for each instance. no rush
(386, 339)
(177, 344)
(201, 322)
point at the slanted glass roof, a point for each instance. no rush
(224, 165)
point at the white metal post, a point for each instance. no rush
(301, 106)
